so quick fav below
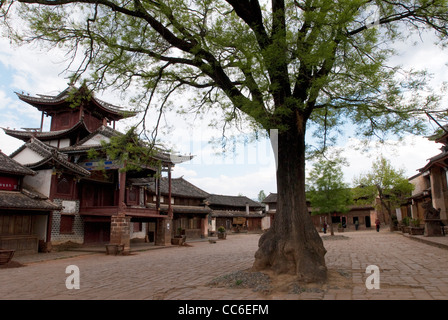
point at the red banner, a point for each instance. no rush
(9, 183)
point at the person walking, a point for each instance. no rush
(377, 223)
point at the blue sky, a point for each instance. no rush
(246, 172)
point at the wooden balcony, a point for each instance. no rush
(108, 211)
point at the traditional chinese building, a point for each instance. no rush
(270, 203)
(24, 212)
(99, 201)
(431, 184)
(190, 212)
(237, 213)
(363, 215)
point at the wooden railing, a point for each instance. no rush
(114, 210)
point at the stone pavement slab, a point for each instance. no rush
(407, 270)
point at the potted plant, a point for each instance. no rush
(415, 228)
(340, 227)
(404, 226)
(222, 234)
(179, 239)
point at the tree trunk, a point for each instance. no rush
(292, 245)
(331, 224)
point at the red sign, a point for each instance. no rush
(9, 183)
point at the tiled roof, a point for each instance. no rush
(271, 198)
(25, 200)
(232, 201)
(50, 153)
(64, 95)
(236, 213)
(45, 135)
(9, 165)
(159, 154)
(79, 147)
(182, 209)
(440, 158)
(179, 187)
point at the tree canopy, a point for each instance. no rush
(327, 192)
(257, 60)
(386, 183)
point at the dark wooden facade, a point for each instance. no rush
(24, 215)
(93, 193)
(236, 213)
(183, 199)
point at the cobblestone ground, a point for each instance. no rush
(408, 270)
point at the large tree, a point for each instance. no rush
(284, 65)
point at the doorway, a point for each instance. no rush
(368, 224)
(96, 232)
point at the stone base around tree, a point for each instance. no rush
(433, 228)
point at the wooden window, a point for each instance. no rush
(64, 186)
(132, 196)
(66, 225)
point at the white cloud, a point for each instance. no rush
(410, 155)
(180, 171)
(8, 144)
(33, 70)
(248, 184)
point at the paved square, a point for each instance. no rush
(408, 270)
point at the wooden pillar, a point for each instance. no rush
(158, 192)
(49, 226)
(170, 208)
(122, 189)
(42, 122)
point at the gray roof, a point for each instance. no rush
(159, 154)
(436, 159)
(179, 187)
(50, 154)
(9, 165)
(65, 94)
(25, 200)
(182, 209)
(45, 135)
(236, 213)
(271, 198)
(232, 201)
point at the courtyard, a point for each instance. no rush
(408, 270)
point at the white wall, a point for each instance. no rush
(40, 226)
(27, 156)
(60, 143)
(40, 182)
(139, 234)
(96, 140)
(265, 222)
